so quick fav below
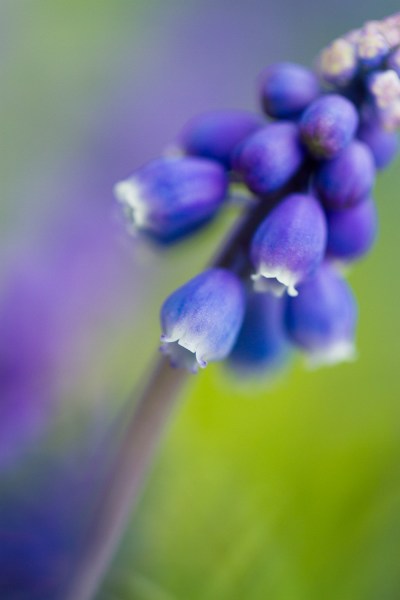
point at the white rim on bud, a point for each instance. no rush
(130, 194)
(182, 353)
(276, 280)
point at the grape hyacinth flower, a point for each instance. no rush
(347, 179)
(338, 63)
(287, 89)
(322, 319)
(169, 196)
(309, 173)
(372, 46)
(385, 88)
(352, 231)
(289, 245)
(309, 170)
(383, 144)
(201, 320)
(215, 134)
(328, 125)
(376, 48)
(270, 158)
(262, 346)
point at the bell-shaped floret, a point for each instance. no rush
(347, 179)
(169, 197)
(270, 158)
(201, 320)
(372, 45)
(216, 134)
(352, 232)
(322, 319)
(328, 125)
(262, 346)
(383, 144)
(286, 89)
(338, 63)
(289, 245)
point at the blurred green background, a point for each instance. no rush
(286, 490)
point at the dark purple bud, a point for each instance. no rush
(322, 319)
(346, 179)
(328, 125)
(215, 134)
(168, 197)
(269, 158)
(289, 245)
(383, 144)
(287, 89)
(262, 346)
(352, 232)
(201, 320)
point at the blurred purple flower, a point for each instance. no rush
(43, 526)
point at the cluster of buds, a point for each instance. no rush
(365, 64)
(308, 167)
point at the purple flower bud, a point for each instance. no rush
(372, 46)
(352, 232)
(338, 63)
(384, 88)
(383, 144)
(390, 116)
(390, 29)
(287, 89)
(262, 344)
(269, 158)
(328, 125)
(346, 179)
(215, 134)
(201, 320)
(289, 245)
(167, 197)
(322, 319)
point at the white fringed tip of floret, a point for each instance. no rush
(182, 353)
(276, 280)
(131, 195)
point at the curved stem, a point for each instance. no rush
(143, 433)
(128, 470)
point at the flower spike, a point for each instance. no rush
(307, 168)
